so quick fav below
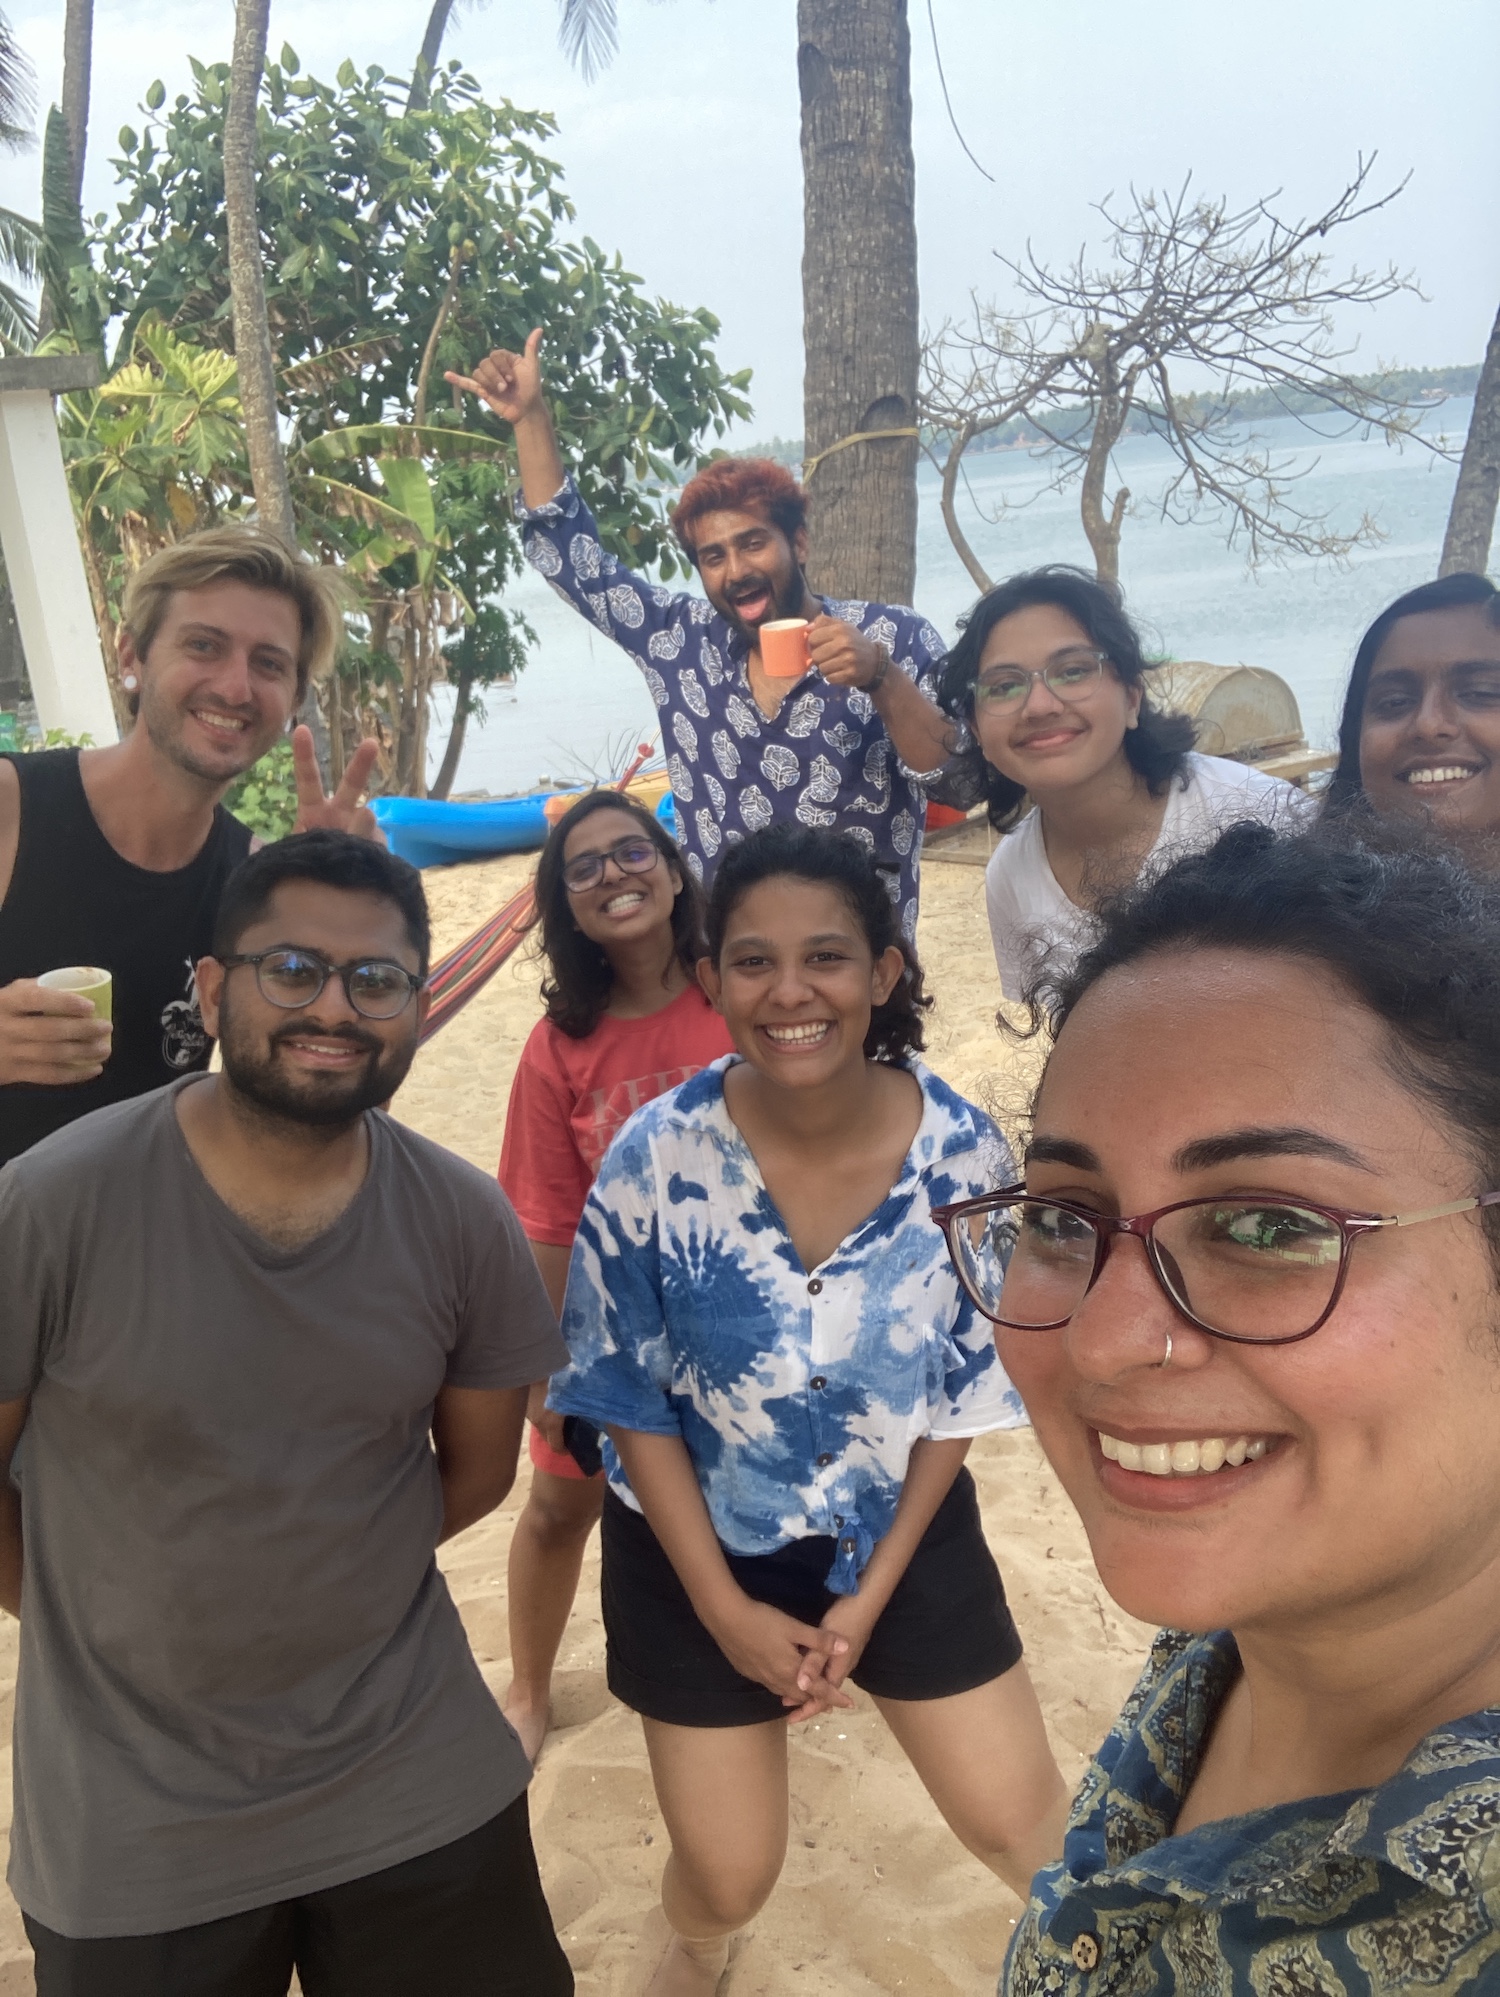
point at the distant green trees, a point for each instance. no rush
(395, 243)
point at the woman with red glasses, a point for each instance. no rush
(1249, 1296)
(621, 924)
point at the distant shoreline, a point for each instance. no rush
(1422, 388)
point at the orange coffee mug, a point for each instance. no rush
(783, 648)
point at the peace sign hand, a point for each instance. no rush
(342, 812)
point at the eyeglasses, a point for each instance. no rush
(631, 856)
(1266, 1270)
(375, 987)
(1072, 677)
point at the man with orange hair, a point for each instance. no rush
(852, 744)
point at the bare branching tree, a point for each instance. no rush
(1197, 306)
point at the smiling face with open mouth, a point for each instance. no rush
(323, 1064)
(750, 571)
(796, 981)
(219, 681)
(1429, 743)
(1262, 1486)
(623, 906)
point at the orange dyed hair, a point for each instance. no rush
(740, 485)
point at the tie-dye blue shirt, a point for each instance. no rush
(798, 1392)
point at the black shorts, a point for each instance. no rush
(467, 1919)
(945, 1629)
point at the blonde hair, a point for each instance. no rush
(252, 556)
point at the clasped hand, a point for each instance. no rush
(805, 1666)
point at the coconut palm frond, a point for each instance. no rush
(20, 245)
(17, 93)
(17, 322)
(589, 34)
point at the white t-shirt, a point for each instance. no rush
(1033, 924)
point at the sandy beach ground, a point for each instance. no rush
(877, 1895)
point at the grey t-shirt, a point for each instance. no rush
(242, 1676)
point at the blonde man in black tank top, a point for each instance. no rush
(115, 856)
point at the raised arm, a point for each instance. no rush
(511, 386)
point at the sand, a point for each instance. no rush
(877, 1894)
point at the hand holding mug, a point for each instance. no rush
(51, 1036)
(843, 655)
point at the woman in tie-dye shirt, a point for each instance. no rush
(762, 1317)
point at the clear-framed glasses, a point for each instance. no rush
(375, 987)
(1257, 1269)
(632, 856)
(1071, 676)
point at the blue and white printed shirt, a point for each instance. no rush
(823, 759)
(1370, 1893)
(799, 1393)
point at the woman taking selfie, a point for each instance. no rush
(621, 929)
(1090, 782)
(764, 1320)
(1251, 1304)
(1420, 733)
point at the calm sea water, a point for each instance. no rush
(580, 704)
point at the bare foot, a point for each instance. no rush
(690, 1969)
(529, 1721)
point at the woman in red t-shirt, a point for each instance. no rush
(621, 920)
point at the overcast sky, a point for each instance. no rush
(684, 155)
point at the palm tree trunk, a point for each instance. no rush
(247, 285)
(458, 727)
(78, 57)
(859, 293)
(432, 42)
(1471, 520)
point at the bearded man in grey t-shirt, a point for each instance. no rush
(263, 1348)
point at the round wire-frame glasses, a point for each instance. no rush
(376, 987)
(1262, 1244)
(1072, 677)
(636, 855)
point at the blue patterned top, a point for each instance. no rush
(799, 1393)
(824, 759)
(1364, 1894)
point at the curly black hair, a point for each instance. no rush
(576, 990)
(1384, 907)
(836, 860)
(1156, 746)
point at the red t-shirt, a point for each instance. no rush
(571, 1096)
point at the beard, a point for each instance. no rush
(164, 724)
(788, 593)
(257, 1074)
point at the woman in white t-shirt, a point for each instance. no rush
(1090, 782)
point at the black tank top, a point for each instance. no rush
(73, 900)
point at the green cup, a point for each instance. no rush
(88, 981)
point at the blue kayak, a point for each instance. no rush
(430, 832)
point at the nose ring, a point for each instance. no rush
(1166, 1358)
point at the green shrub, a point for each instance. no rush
(265, 797)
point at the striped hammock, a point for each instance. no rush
(468, 969)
